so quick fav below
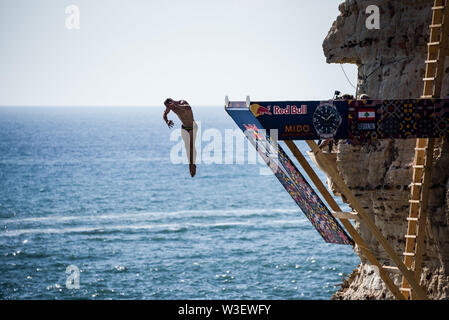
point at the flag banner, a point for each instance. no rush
(367, 115)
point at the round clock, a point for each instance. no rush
(326, 120)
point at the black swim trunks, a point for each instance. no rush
(188, 129)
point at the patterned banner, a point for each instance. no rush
(398, 119)
(354, 119)
(290, 177)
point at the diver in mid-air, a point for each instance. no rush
(189, 128)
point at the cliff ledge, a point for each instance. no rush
(391, 65)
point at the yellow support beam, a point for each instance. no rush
(366, 219)
(345, 222)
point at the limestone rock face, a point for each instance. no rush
(390, 64)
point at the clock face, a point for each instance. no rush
(326, 119)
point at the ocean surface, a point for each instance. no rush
(97, 190)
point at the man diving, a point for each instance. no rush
(189, 128)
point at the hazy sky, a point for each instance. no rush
(138, 52)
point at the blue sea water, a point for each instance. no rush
(95, 188)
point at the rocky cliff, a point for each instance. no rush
(390, 64)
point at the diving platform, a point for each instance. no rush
(264, 123)
(288, 174)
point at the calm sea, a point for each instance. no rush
(94, 189)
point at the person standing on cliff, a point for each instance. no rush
(189, 128)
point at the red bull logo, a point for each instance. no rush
(290, 109)
(259, 110)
